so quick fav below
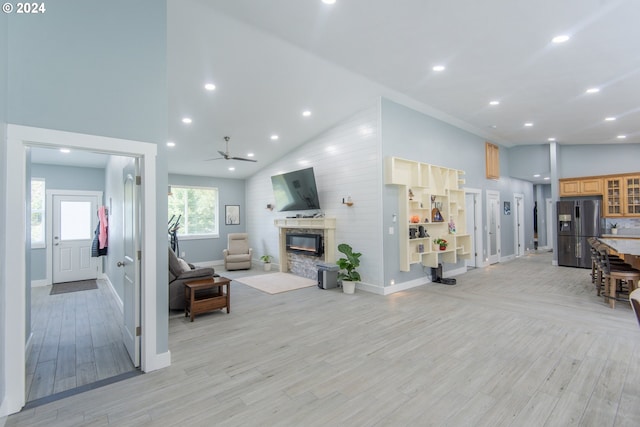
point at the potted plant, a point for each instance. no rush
(348, 264)
(267, 262)
(441, 243)
(614, 228)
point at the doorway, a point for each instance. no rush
(493, 227)
(19, 138)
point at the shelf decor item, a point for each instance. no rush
(415, 219)
(442, 243)
(614, 228)
(452, 226)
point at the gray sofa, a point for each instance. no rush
(179, 273)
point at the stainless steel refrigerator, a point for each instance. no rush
(577, 221)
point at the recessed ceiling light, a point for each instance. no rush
(546, 178)
(593, 90)
(328, 1)
(231, 168)
(494, 103)
(610, 119)
(306, 113)
(439, 68)
(528, 124)
(65, 150)
(536, 175)
(621, 136)
(303, 162)
(210, 86)
(560, 39)
(171, 144)
(250, 154)
(551, 139)
(274, 137)
(187, 120)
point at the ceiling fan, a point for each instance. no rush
(225, 154)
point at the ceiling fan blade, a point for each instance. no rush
(224, 155)
(243, 159)
(214, 158)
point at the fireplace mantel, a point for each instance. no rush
(328, 225)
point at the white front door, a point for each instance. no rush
(131, 266)
(493, 226)
(75, 219)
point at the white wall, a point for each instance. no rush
(347, 162)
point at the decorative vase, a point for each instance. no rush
(348, 286)
(614, 231)
(267, 266)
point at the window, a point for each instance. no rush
(37, 212)
(197, 208)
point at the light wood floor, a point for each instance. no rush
(77, 340)
(517, 344)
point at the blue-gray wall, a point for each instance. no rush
(4, 82)
(230, 192)
(605, 159)
(62, 178)
(413, 135)
(99, 68)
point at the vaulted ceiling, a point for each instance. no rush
(272, 60)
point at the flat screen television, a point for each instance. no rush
(296, 191)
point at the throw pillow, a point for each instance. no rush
(184, 265)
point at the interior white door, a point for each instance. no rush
(472, 226)
(493, 226)
(131, 266)
(518, 202)
(75, 219)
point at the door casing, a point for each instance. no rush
(19, 138)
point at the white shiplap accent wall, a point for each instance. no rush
(347, 162)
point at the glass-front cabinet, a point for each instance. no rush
(632, 193)
(613, 197)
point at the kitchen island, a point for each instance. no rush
(629, 249)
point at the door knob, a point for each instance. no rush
(120, 264)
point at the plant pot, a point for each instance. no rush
(614, 231)
(267, 266)
(348, 287)
(443, 248)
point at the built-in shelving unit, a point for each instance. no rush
(423, 188)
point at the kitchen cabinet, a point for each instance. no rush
(492, 160)
(429, 200)
(591, 186)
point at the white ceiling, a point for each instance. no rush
(270, 60)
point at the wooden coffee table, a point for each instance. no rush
(206, 295)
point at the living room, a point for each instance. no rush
(348, 154)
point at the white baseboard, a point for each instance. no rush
(39, 283)
(456, 272)
(399, 287)
(113, 291)
(159, 361)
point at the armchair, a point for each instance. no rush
(179, 273)
(237, 256)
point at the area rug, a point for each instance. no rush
(275, 283)
(80, 285)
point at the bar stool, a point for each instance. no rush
(618, 274)
(597, 274)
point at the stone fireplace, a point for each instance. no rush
(304, 242)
